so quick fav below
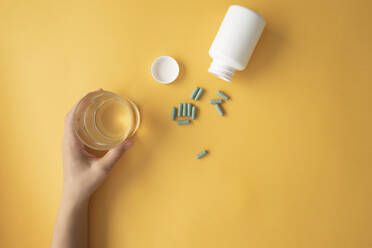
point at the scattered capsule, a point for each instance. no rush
(201, 154)
(215, 101)
(223, 95)
(184, 110)
(198, 95)
(183, 122)
(174, 112)
(179, 113)
(193, 112)
(219, 109)
(194, 92)
(189, 109)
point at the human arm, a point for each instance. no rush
(82, 174)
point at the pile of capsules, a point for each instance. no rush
(189, 110)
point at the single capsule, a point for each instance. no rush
(215, 101)
(179, 113)
(201, 154)
(189, 109)
(184, 109)
(193, 112)
(183, 122)
(219, 109)
(223, 95)
(174, 113)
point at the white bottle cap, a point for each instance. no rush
(165, 69)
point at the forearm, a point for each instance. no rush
(71, 228)
(82, 174)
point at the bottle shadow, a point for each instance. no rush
(128, 168)
(181, 73)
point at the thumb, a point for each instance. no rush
(113, 155)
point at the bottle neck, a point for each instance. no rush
(221, 70)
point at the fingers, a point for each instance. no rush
(69, 135)
(69, 119)
(113, 155)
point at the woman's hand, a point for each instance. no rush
(83, 172)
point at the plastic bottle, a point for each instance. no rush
(235, 41)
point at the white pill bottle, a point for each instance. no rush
(235, 41)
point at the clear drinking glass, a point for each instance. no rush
(103, 120)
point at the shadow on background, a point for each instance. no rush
(181, 74)
(128, 168)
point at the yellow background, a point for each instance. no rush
(289, 165)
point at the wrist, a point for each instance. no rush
(72, 202)
(73, 197)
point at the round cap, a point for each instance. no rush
(165, 69)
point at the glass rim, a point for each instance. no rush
(121, 138)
